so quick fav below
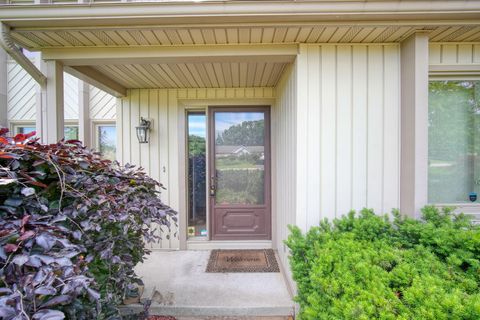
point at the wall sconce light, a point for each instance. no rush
(143, 130)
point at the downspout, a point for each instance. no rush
(7, 43)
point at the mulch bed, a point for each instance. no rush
(161, 318)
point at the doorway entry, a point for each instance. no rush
(229, 173)
(239, 173)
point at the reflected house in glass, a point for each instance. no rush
(266, 113)
(224, 151)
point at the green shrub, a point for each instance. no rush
(369, 267)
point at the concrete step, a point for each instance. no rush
(215, 313)
(235, 318)
(177, 285)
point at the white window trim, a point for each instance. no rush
(445, 73)
(14, 124)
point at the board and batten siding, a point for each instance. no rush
(102, 105)
(21, 93)
(160, 157)
(70, 97)
(348, 136)
(284, 127)
(454, 53)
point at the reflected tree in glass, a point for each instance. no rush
(107, 136)
(240, 157)
(197, 209)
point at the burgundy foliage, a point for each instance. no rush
(72, 228)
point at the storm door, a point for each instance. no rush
(239, 173)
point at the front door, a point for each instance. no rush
(239, 169)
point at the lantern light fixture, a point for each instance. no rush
(143, 130)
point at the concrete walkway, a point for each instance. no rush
(179, 286)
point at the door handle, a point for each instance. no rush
(213, 187)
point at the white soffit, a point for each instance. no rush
(38, 38)
(195, 75)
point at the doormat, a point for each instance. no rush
(242, 261)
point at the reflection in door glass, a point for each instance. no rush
(240, 157)
(197, 209)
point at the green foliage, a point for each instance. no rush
(368, 267)
(247, 133)
(72, 228)
(196, 145)
(240, 186)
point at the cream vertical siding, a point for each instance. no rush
(103, 106)
(21, 93)
(70, 97)
(348, 130)
(284, 154)
(454, 53)
(160, 157)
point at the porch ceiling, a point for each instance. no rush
(42, 38)
(194, 75)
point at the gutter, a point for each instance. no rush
(161, 13)
(7, 43)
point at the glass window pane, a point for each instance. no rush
(107, 141)
(454, 132)
(25, 130)
(197, 186)
(71, 132)
(240, 157)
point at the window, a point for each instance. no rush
(197, 173)
(70, 131)
(24, 129)
(453, 141)
(107, 140)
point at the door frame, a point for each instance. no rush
(266, 109)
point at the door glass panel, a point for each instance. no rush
(197, 185)
(240, 157)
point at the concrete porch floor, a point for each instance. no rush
(179, 286)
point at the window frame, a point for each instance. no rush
(450, 75)
(204, 110)
(14, 124)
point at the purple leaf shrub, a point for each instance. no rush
(72, 228)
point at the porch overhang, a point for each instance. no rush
(233, 12)
(117, 69)
(186, 44)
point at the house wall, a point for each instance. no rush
(21, 93)
(101, 104)
(70, 97)
(456, 53)
(348, 134)
(162, 157)
(22, 97)
(284, 135)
